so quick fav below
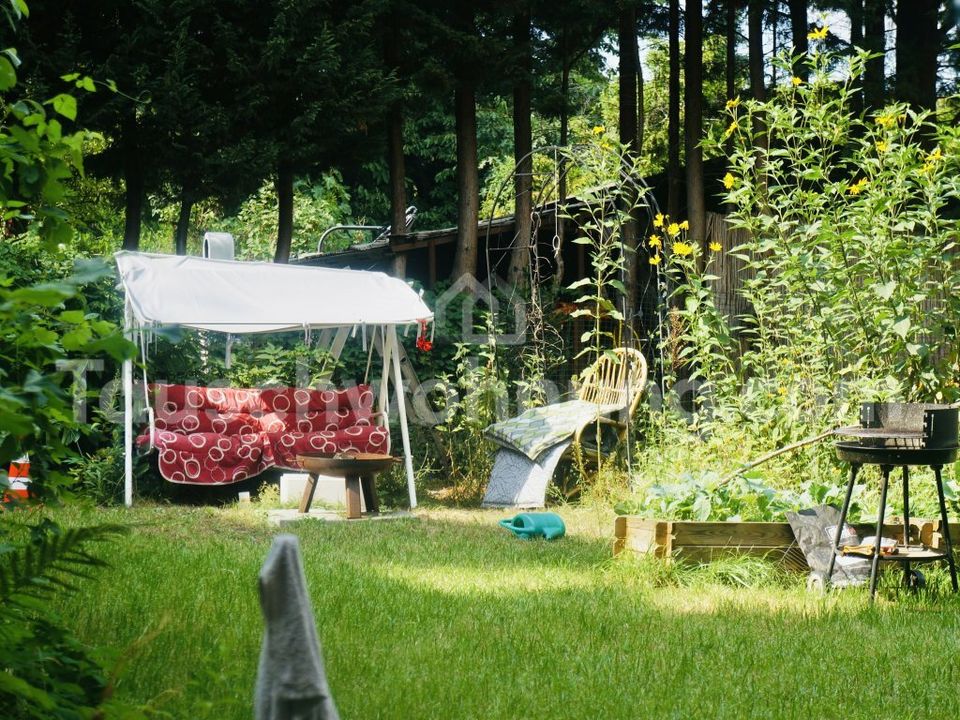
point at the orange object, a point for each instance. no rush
(19, 475)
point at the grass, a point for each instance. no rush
(446, 615)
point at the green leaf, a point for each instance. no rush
(8, 76)
(73, 317)
(88, 270)
(902, 327)
(885, 291)
(76, 339)
(65, 105)
(44, 294)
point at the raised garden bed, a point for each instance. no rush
(704, 541)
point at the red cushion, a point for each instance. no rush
(313, 421)
(191, 421)
(285, 446)
(211, 458)
(173, 398)
(223, 435)
(285, 399)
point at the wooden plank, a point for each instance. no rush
(642, 536)
(752, 534)
(306, 500)
(701, 541)
(619, 534)
(934, 537)
(353, 496)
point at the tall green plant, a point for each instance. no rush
(852, 272)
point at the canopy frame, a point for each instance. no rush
(391, 362)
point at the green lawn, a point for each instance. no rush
(446, 615)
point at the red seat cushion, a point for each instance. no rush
(223, 435)
(211, 458)
(285, 446)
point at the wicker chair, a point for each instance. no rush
(617, 378)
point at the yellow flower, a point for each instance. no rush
(599, 129)
(858, 187)
(682, 249)
(882, 146)
(782, 390)
(654, 259)
(673, 229)
(715, 246)
(655, 241)
(658, 220)
(729, 181)
(935, 155)
(818, 34)
(729, 131)
(886, 120)
(685, 225)
(796, 81)
(731, 104)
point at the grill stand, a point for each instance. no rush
(885, 468)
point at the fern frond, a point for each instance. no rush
(43, 566)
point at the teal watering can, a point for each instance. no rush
(531, 525)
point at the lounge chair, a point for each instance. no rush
(533, 443)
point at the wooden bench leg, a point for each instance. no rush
(353, 497)
(370, 499)
(307, 498)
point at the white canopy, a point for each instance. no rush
(256, 297)
(251, 297)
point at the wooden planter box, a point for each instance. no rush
(703, 541)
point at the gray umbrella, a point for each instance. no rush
(291, 681)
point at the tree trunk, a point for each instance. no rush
(758, 88)
(284, 185)
(774, 49)
(396, 162)
(674, 182)
(731, 36)
(629, 61)
(468, 182)
(918, 44)
(629, 131)
(183, 221)
(133, 181)
(799, 27)
(559, 225)
(522, 147)
(641, 113)
(874, 40)
(693, 120)
(855, 13)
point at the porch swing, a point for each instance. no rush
(222, 435)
